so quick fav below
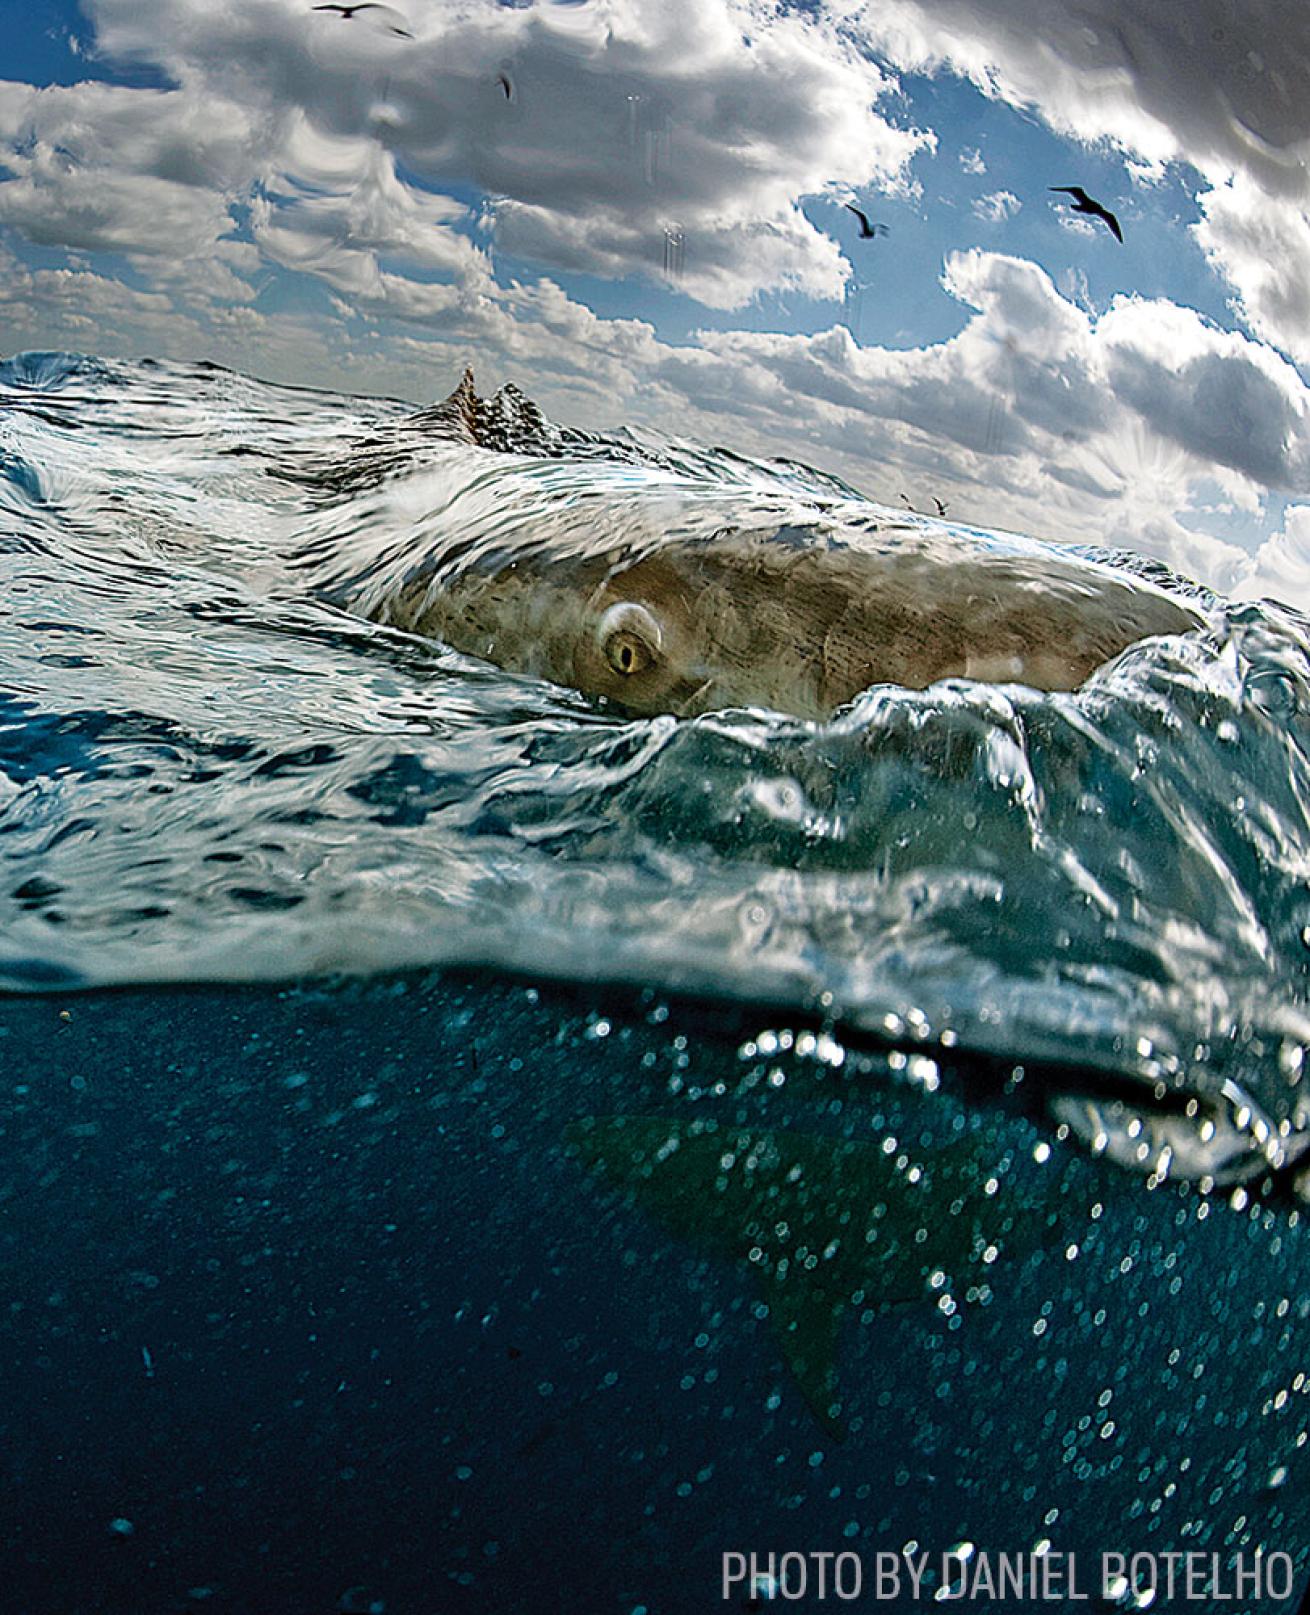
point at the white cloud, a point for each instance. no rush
(1017, 421)
(300, 143)
(1223, 88)
(997, 206)
(151, 174)
(1217, 394)
(1038, 415)
(626, 116)
(337, 209)
(1262, 248)
(1145, 173)
(85, 299)
(167, 178)
(1280, 568)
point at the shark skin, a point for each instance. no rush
(827, 1224)
(673, 604)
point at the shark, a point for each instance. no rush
(830, 1226)
(795, 607)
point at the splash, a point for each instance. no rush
(209, 769)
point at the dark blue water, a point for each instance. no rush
(402, 1335)
(394, 1220)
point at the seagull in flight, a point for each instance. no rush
(348, 11)
(1082, 203)
(867, 230)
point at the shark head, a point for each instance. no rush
(795, 619)
(664, 595)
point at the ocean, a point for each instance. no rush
(472, 1149)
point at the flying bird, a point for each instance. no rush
(348, 11)
(503, 80)
(1082, 203)
(867, 230)
(942, 506)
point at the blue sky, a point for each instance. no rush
(325, 201)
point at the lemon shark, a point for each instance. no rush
(830, 1225)
(664, 595)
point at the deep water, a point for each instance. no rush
(465, 1149)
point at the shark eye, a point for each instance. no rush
(627, 654)
(629, 638)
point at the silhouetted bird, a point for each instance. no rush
(867, 230)
(348, 11)
(942, 506)
(1082, 203)
(503, 80)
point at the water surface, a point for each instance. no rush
(348, 1272)
(212, 769)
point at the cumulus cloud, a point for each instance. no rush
(1223, 89)
(337, 209)
(627, 120)
(393, 173)
(997, 206)
(83, 310)
(1280, 568)
(1038, 414)
(1217, 394)
(103, 168)
(1263, 251)
(84, 299)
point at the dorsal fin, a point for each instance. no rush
(455, 417)
(508, 421)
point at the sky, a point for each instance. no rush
(636, 210)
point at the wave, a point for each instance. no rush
(214, 766)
